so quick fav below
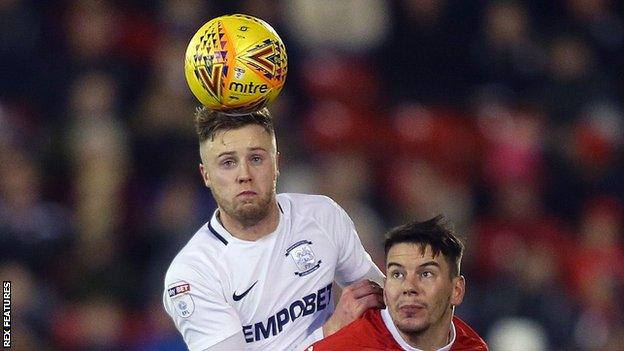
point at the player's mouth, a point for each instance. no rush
(412, 308)
(246, 193)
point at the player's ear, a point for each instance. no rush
(278, 160)
(459, 288)
(204, 175)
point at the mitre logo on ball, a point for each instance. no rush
(236, 64)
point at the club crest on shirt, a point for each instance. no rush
(302, 254)
(181, 299)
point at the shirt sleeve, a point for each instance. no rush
(314, 337)
(233, 343)
(354, 263)
(199, 310)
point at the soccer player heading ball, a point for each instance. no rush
(236, 64)
(259, 274)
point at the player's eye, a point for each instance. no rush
(427, 274)
(256, 159)
(228, 163)
(397, 275)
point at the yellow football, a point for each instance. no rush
(235, 64)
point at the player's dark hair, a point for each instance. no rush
(208, 122)
(435, 233)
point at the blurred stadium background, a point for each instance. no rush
(504, 115)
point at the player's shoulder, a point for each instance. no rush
(306, 202)
(360, 332)
(466, 338)
(365, 333)
(197, 258)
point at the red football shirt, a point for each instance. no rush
(369, 333)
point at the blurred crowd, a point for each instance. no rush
(506, 116)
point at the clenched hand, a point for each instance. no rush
(354, 300)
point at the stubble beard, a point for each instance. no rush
(412, 328)
(248, 213)
(420, 328)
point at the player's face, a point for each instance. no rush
(240, 168)
(419, 291)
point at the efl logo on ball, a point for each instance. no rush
(236, 64)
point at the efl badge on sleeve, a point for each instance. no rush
(303, 256)
(181, 299)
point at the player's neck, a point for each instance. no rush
(254, 231)
(434, 338)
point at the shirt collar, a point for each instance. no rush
(225, 236)
(385, 315)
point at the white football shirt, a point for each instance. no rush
(276, 289)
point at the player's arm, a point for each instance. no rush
(354, 301)
(354, 263)
(233, 343)
(201, 313)
(356, 272)
(374, 274)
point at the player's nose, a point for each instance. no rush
(243, 173)
(411, 286)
